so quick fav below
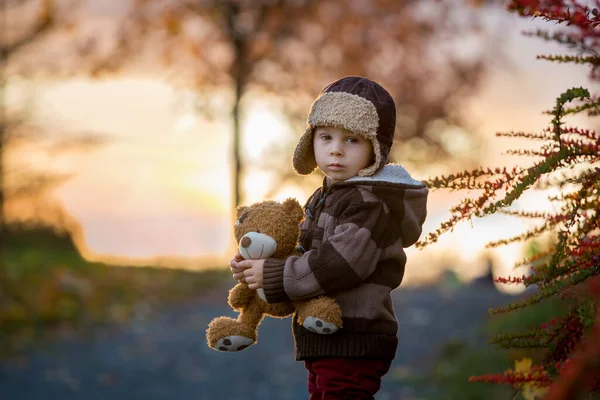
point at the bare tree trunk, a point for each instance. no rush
(7, 286)
(45, 21)
(237, 162)
(5, 282)
(239, 73)
(2, 140)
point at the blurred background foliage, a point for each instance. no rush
(47, 288)
(431, 55)
(428, 54)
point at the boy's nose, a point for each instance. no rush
(335, 151)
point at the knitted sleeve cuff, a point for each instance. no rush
(273, 280)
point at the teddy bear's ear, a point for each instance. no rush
(239, 211)
(293, 208)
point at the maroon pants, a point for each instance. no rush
(345, 378)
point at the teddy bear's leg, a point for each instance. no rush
(230, 335)
(240, 295)
(279, 310)
(321, 315)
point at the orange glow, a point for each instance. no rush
(161, 187)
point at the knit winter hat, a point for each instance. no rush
(358, 105)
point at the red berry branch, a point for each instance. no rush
(568, 160)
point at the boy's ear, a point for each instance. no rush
(239, 211)
(293, 208)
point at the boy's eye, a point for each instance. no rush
(325, 137)
(352, 140)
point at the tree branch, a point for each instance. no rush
(45, 22)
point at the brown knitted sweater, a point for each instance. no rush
(352, 238)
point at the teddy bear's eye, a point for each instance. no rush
(241, 219)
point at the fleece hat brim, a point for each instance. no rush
(342, 109)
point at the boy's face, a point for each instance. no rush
(339, 153)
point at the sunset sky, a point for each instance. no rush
(161, 187)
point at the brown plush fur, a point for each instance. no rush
(280, 221)
(324, 307)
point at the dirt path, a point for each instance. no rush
(166, 357)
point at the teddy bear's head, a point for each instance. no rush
(268, 229)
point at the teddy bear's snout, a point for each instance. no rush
(255, 245)
(246, 242)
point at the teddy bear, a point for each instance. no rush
(262, 230)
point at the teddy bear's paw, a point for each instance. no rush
(233, 343)
(317, 325)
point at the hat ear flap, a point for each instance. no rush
(293, 209)
(304, 156)
(380, 152)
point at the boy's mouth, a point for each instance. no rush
(335, 166)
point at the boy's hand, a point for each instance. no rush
(236, 271)
(253, 272)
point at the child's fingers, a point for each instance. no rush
(239, 276)
(237, 270)
(235, 260)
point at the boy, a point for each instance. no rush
(352, 238)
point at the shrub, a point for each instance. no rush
(566, 163)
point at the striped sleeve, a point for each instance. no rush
(342, 261)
